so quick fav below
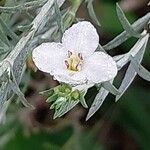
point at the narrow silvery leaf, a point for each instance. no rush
(4, 77)
(49, 33)
(45, 10)
(3, 53)
(87, 1)
(59, 17)
(127, 80)
(19, 53)
(124, 60)
(118, 57)
(2, 44)
(92, 12)
(125, 23)
(3, 93)
(83, 102)
(98, 101)
(24, 28)
(140, 44)
(100, 48)
(82, 99)
(8, 31)
(3, 111)
(111, 88)
(17, 91)
(142, 72)
(3, 68)
(3, 37)
(137, 25)
(131, 73)
(21, 7)
(15, 88)
(70, 15)
(65, 108)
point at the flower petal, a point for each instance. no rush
(71, 78)
(49, 57)
(82, 87)
(100, 67)
(82, 38)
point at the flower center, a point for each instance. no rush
(74, 61)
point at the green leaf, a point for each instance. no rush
(125, 23)
(52, 98)
(83, 102)
(59, 102)
(67, 106)
(82, 99)
(47, 93)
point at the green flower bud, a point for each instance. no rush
(65, 88)
(75, 95)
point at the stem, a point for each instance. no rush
(76, 4)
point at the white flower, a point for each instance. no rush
(74, 61)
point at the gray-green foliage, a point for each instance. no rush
(47, 23)
(136, 52)
(12, 66)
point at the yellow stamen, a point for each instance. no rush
(74, 62)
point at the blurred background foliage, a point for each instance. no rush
(124, 125)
